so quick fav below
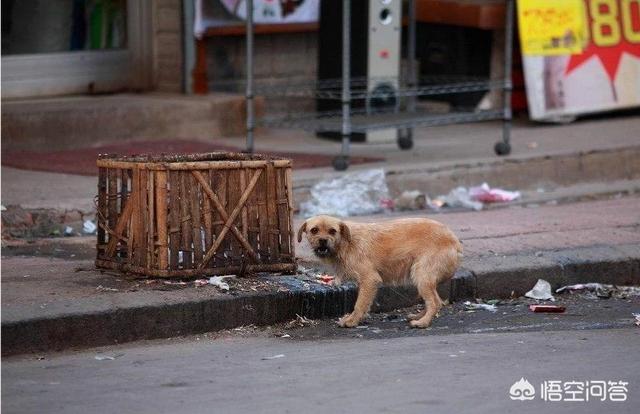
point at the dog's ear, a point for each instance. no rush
(302, 229)
(345, 232)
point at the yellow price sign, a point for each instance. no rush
(551, 27)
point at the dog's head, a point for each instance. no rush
(325, 234)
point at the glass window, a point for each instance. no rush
(53, 26)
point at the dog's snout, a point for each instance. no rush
(322, 242)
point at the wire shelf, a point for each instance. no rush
(362, 121)
(331, 89)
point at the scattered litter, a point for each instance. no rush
(387, 204)
(68, 231)
(351, 194)
(107, 357)
(486, 194)
(219, 281)
(300, 322)
(273, 357)
(201, 282)
(602, 290)
(435, 204)
(245, 329)
(458, 197)
(625, 292)
(305, 271)
(171, 282)
(541, 291)
(376, 330)
(325, 279)
(89, 227)
(106, 289)
(473, 306)
(580, 286)
(547, 308)
(410, 200)
(637, 316)
(492, 301)
(2, 208)
(285, 336)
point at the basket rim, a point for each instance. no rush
(175, 158)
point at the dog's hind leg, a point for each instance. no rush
(425, 275)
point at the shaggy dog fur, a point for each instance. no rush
(417, 250)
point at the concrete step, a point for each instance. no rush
(69, 122)
(581, 173)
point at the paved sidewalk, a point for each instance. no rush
(446, 150)
(52, 303)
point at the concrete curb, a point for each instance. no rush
(486, 277)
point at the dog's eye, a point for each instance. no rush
(332, 232)
(314, 230)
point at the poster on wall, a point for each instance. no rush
(215, 13)
(580, 56)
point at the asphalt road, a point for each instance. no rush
(381, 367)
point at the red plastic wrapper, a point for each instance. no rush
(547, 308)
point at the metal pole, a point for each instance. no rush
(346, 77)
(249, 90)
(411, 54)
(188, 13)
(508, 85)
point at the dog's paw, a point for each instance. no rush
(348, 322)
(419, 324)
(415, 316)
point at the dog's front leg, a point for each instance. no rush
(367, 289)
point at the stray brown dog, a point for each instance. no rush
(417, 249)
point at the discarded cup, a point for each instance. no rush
(541, 291)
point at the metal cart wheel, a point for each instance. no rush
(502, 148)
(340, 163)
(405, 139)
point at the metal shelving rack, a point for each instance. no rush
(348, 89)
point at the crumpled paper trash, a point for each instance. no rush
(459, 197)
(410, 200)
(219, 282)
(468, 305)
(541, 291)
(89, 227)
(486, 194)
(352, 194)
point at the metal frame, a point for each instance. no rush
(351, 121)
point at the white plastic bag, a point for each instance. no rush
(352, 194)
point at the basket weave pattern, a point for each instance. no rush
(194, 215)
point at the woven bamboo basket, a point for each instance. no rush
(193, 215)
